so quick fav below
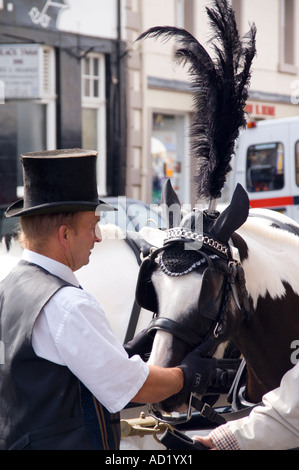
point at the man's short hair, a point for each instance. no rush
(37, 229)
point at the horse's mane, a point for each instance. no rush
(112, 232)
(152, 235)
(272, 259)
(272, 226)
(7, 241)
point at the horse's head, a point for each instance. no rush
(194, 284)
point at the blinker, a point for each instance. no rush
(211, 293)
(145, 292)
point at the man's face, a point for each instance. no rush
(82, 239)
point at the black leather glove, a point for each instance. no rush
(198, 372)
(141, 345)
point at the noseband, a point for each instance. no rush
(179, 331)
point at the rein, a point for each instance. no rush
(141, 248)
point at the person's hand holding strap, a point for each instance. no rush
(198, 372)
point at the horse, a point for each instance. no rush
(229, 276)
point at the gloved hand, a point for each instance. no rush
(198, 372)
(141, 345)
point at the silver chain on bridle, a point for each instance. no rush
(183, 234)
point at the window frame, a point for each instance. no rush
(49, 100)
(265, 144)
(297, 163)
(287, 37)
(98, 103)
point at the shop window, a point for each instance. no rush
(265, 167)
(297, 162)
(170, 155)
(94, 112)
(31, 132)
(36, 119)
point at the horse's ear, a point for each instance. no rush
(171, 205)
(233, 217)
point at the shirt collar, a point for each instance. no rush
(54, 267)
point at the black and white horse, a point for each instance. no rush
(236, 279)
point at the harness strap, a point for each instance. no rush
(173, 439)
(207, 412)
(207, 418)
(177, 330)
(139, 246)
(239, 381)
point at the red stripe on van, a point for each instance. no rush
(272, 202)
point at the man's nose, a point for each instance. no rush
(98, 234)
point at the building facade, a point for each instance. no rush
(63, 86)
(72, 75)
(164, 87)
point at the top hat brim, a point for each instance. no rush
(17, 208)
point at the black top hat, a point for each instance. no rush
(58, 181)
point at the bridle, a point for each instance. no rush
(234, 274)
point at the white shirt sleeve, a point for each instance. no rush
(276, 425)
(81, 338)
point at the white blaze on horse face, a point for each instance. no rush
(160, 347)
(176, 296)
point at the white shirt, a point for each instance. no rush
(72, 330)
(274, 426)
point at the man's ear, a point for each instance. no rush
(63, 235)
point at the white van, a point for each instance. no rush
(267, 165)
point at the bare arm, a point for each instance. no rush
(160, 384)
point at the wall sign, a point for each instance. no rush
(35, 13)
(89, 17)
(21, 70)
(49, 12)
(261, 109)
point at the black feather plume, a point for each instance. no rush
(220, 88)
